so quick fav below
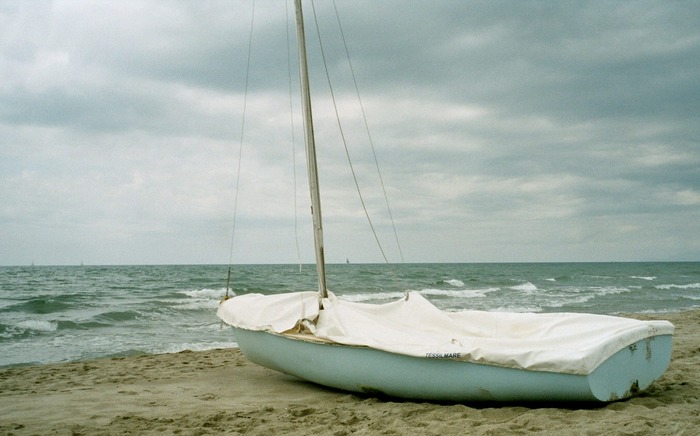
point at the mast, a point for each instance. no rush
(311, 165)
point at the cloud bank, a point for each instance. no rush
(505, 131)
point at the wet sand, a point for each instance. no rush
(221, 392)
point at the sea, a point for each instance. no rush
(51, 314)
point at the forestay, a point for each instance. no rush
(569, 343)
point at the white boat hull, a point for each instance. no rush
(366, 370)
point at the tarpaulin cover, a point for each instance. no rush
(572, 343)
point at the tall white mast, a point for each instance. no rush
(311, 154)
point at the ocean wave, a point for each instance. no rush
(201, 299)
(453, 293)
(212, 294)
(579, 296)
(574, 296)
(610, 290)
(672, 286)
(38, 325)
(41, 305)
(124, 315)
(26, 328)
(454, 282)
(197, 346)
(462, 293)
(526, 287)
(568, 301)
(198, 305)
(358, 298)
(649, 278)
(80, 325)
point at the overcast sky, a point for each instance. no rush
(505, 131)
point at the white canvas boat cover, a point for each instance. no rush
(570, 343)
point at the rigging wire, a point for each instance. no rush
(240, 149)
(342, 135)
(369, 136)
(291, 123)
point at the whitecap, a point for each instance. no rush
(372, 297)
(610, 290)
(383, 296)
(649, 278)
(570, 301)
(38, 325)
(526, 287)
(671, 286)
(454, 282)
(198, 305)
(207, 293)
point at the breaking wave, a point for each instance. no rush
(672, 286)
(428, 292)
(38, 325)
(526, 287)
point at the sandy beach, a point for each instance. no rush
(221, 392)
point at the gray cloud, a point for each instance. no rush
(506, 131)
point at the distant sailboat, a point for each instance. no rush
(411, 349)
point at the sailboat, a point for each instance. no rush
(410, 349)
